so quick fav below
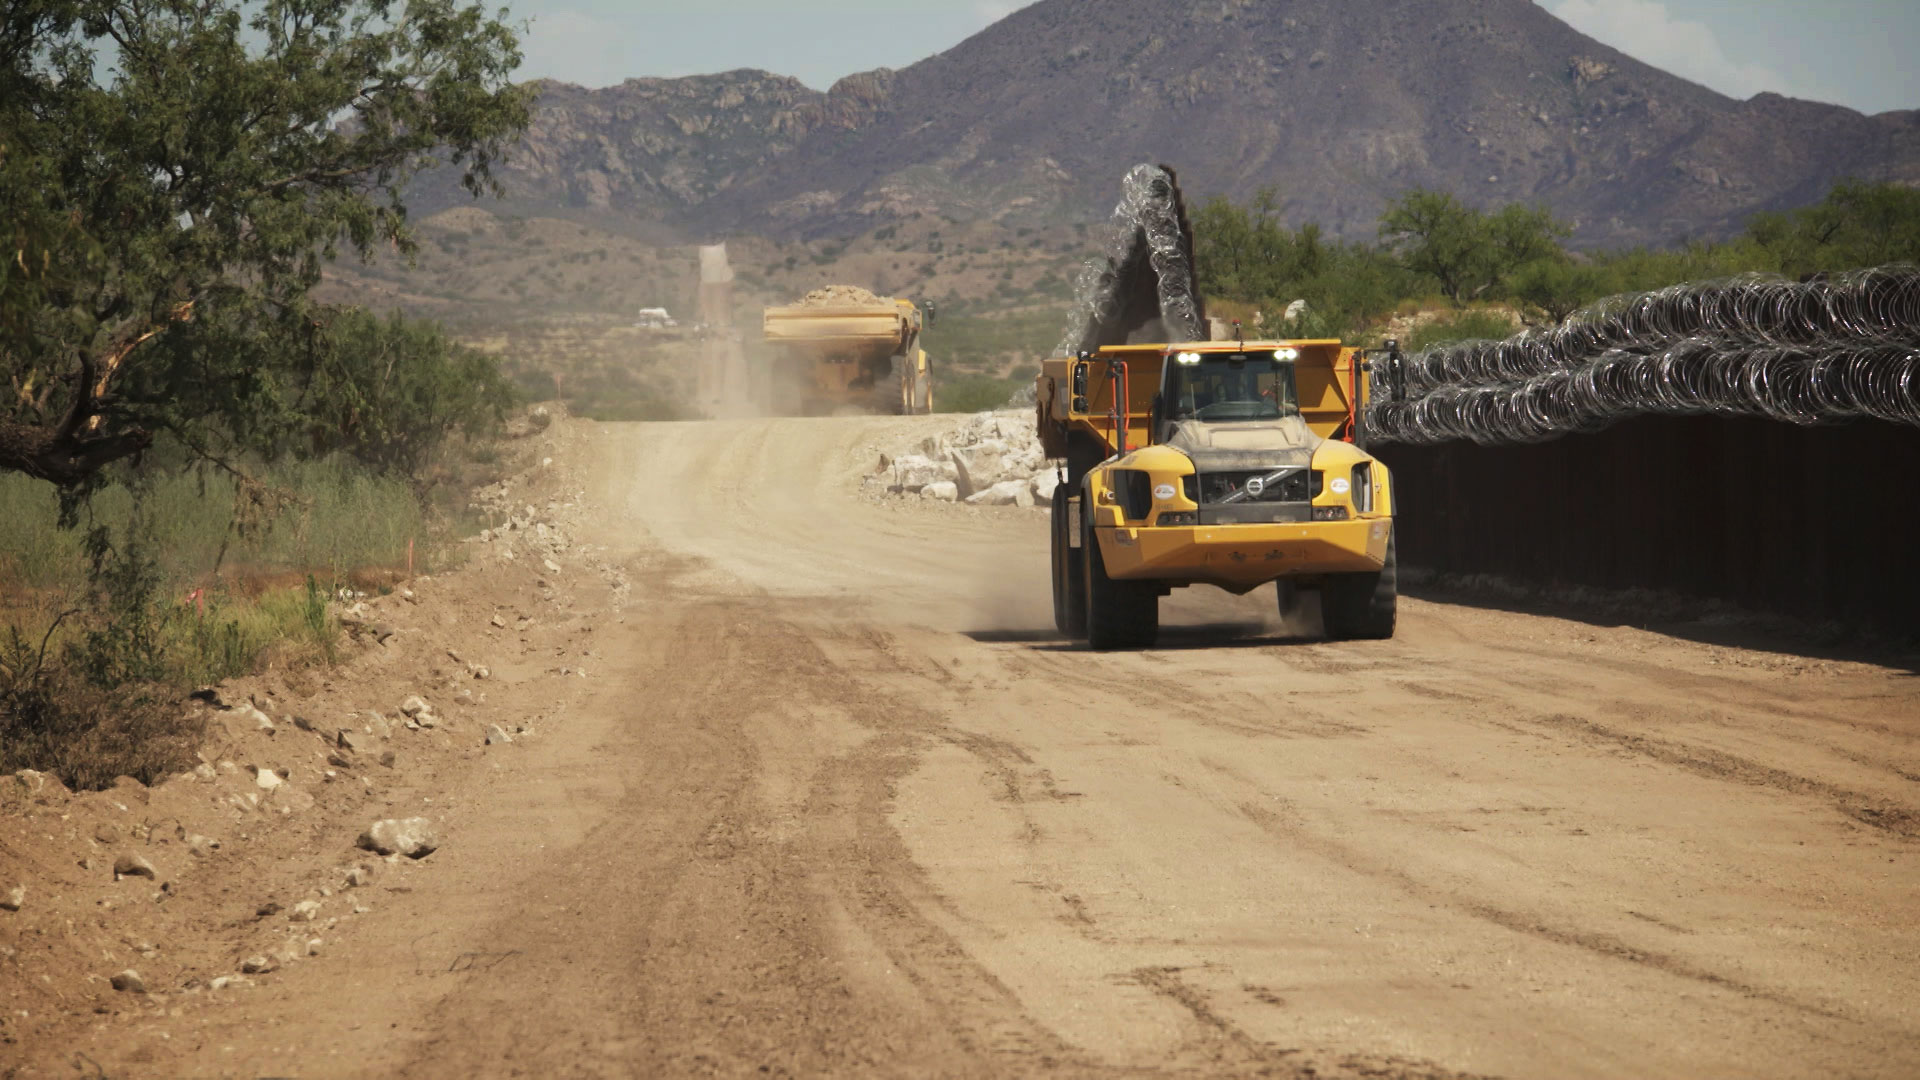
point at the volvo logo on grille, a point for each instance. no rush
(1255, 485)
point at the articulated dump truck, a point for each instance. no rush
(843, 349)
(1228, 463)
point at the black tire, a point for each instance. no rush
(1120, 614)
(1289, 598)
(1069, 582)
(1361, 606)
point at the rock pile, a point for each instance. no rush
(993, 459)
(842, 296)
(532, 529)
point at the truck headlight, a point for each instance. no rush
(1330, 513)
(1178, 517)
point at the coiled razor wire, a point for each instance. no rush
(1149, 230)
(1810, 352)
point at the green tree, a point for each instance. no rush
(174, 175)
(1856, 225)
(1246, 254)
(390, 391)
(1557, 286)
(1470, 253)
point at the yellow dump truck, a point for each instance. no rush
(1228, 463)
(843, 348)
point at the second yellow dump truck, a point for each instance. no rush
(1228, 463)
(843, 348)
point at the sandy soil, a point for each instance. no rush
(833, 800)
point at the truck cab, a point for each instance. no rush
(1232, 464)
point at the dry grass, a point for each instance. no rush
(92, 689)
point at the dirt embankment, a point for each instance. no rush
(136, 903)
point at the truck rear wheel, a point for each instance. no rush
(1069, 580)
(1120, 614)
(1290, 600)
(1361, 606)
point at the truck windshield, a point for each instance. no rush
(1229, 386)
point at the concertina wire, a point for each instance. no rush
(1810, 352)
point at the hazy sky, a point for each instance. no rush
(1858, 53)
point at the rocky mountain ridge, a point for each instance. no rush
(1337, 106)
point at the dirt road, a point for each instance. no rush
(838, 803)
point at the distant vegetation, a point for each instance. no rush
(1434, 247)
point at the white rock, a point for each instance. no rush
(202, 846)
(497, 735)
(221, 982)
(1004, 493)
(413, 837)
(979, 466)
(915, 471)
(14, 898)
(205, 773)
(256, 965)
(266, 779)
(1043, 485)
(130, 981)
(305, 911)
(941, 490)
(552, 567)
(358, 876)
(39, 783)
(415, 705)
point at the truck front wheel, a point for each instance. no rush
(1361, 606)
(1120, 614)
(1069, 580)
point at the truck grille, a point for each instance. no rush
(1286, 485)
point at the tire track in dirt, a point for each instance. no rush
(1882, 814)
(1597, 944)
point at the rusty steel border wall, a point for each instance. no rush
(1812, 522)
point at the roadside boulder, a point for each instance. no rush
(914, 472)
(941, 491)
(979, 466)
(1043, 485)
(413, 837)
(132, 864)
(1004, 493)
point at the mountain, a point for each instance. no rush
(1338, 106)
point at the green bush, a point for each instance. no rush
(391, 392)
(1471, 325)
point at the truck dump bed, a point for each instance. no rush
(884, 328)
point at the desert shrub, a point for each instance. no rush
(55, 720)
(1474, 324)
